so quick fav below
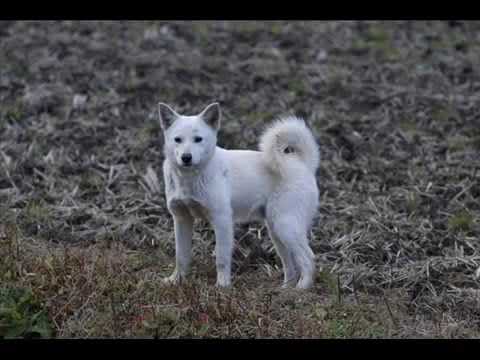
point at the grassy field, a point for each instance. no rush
(85, 236)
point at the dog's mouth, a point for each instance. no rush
(186, 166)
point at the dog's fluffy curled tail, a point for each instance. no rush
(288, 137)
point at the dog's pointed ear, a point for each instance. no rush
(166, 115)
(212, 116)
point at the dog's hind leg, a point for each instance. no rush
(294, 239)
(183, 226)
(306, 257)
(289, 271)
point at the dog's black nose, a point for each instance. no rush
(187, 159)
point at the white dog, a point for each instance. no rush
(276, 184)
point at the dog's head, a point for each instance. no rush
(190, 141)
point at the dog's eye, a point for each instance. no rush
(197, 139)
(178, 140)
(289, 150)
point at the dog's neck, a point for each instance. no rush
(187, 184)
(186, 172)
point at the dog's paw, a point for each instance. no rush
(304, 283)
(223, 281)
(287, 285)
(290, 282)
(223, 285)
(173, 279)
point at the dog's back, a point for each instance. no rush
(287, 162)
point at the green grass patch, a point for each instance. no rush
(21, 315)
(461, 222)
(458, 143)
(348, 321)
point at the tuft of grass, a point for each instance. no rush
(476, 142)
(15, 113)
(408, 125)
(348, 321)
(377, 34)
(458, 143)
(246, 27)
(9, 251)
(36, 211)
(275, 28)
(90, 182)
(202, 31)
(379, 42)
(412, 202)
(444, 113)
(298, 87)
(462, 221)
(327, 280)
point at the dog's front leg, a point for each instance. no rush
(223, 227)
(183, 226)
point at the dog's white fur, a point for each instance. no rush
(276, 184)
